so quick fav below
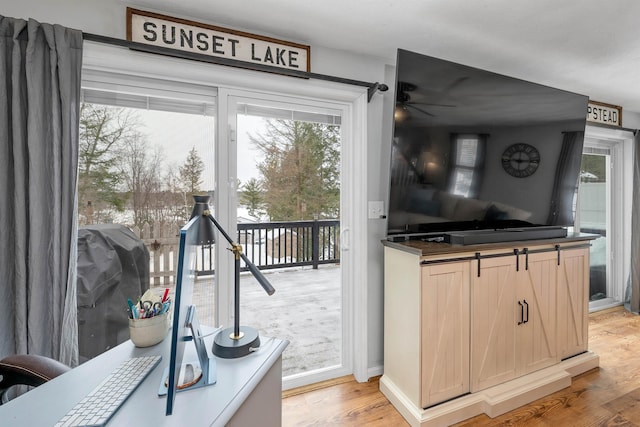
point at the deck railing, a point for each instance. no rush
(268, 245)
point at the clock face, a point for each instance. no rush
(520, 160)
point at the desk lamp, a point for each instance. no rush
(238, 341)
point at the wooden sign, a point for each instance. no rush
(599, 112)
(174, 33)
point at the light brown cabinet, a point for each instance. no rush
(464, 326)
(444, 331)
(513, 317)
(573, 303)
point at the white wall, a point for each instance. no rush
(108, 18)
(630, 119)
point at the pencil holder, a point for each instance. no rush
(149, 331)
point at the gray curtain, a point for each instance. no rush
(39, 106)
(632, 298)
(565, 184)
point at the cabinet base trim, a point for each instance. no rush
(495, 400)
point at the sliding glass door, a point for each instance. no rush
(594, 203)
(286, 175)
(598, 211)
(145, 149)
(286, 199)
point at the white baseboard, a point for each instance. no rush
(493, 401)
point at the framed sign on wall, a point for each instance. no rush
(164, 31)
(599, 112)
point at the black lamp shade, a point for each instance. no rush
(206, 230)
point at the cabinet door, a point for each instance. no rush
(536, 334)
(444, 332)
(494, 312)
(573, 302)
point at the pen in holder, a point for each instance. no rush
(149, 319)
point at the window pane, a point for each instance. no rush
(468, 160)
(462, 181)
(593, 207)
(140, 161)
(289, 223)
(466, 151)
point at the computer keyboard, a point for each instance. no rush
(105, 399)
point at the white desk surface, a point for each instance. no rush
(207, 406)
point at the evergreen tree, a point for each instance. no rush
(301, 169)
(191, 172)
(252, 197)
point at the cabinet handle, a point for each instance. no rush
(558, 250)
(478, 258)
(527, 305)
(521, 313)
(526, 258)
(516, 252)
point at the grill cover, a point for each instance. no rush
(113, 265)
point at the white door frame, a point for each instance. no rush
(120, 60)
(620, 144)
(351, 173)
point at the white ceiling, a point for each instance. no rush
(587, 46)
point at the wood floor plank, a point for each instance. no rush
(627, 405)
(347, 404)
(607, 396)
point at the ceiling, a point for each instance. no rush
(587, 46)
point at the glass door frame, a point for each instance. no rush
(352, 308)
(619, 143)
(230, 80)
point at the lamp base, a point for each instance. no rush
(227, 346)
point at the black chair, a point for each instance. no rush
(27, 369)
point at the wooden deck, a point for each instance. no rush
(608, 396)
(305, 309)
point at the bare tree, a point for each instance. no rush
(120, 169)
(103, 132)
(141, 170)
(172, 206)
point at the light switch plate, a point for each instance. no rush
(376, 210)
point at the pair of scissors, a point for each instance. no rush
(152, 307)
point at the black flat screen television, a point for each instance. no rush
(476, 150)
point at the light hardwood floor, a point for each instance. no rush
(607, 396)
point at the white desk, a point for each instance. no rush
(248, 391)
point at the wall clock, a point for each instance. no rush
(520, 160)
